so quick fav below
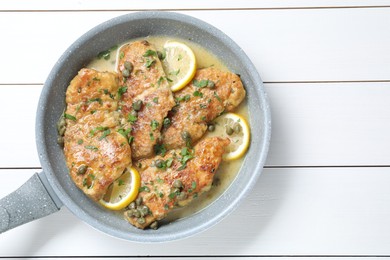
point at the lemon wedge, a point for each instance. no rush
(179, 64)
(236, 128)
(122, 191)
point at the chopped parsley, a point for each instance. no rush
(193, 186)
(97, 129)
(121, 91)
(131, 118)
(217, 97)
(154, 124)
(104, 54)
(91, 147)
(183, 98)
(174, 72)
(105, 134)
(99, 100)
(144, 188)
(150, 53)
(159, 149)
(149, 63)
(169, 162)
(200, 83)
(70, 117)
(186, 156)
(124, 132)
(160, 80)
(198, 94)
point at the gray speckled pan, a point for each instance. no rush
(48, 191)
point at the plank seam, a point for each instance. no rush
(206, 9)
(193, 256)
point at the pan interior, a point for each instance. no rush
(121, 29)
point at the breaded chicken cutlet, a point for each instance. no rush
(147, 97)
(210, 93)
(96, 153)
(174, 179)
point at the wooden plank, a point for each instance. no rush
(330, 124)
(313, 124)
(295, 45)
(300, 211)
(17, 134)
(46, 5)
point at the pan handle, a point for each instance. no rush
(33, 200)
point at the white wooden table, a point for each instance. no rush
(325, 190)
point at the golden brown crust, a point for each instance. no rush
(160, 190)
(96, 154)
(147, 83)
(199, 103)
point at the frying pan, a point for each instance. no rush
(46, 192)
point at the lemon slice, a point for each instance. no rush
(179, 64)
(122, 191)
(236, 128)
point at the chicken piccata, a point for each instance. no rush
(129, 117)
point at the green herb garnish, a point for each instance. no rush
(121, 91)
(154, 124)
(197, 94)
(91, 147)
(70, 117)
(150, 53)
(149, 63)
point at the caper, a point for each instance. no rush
(166, 122)
(144, 210)
(229, 130)
(237, 128)
(82, 170)
(178, 184)
(159, 163)
(175, 190)
(132, 205)
(61, 123)
(138, 201)
(186, 136)
(134, 113)
(126, 73)
(211, 128)
(141, 220)
(137, 105)
(211, 84)
(62, 130)
(182, 196)
(154, 225)
(161, 55)
(128, 66)
(136, 213)
(60, 140)
(129, 213)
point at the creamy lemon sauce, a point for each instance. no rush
(227, 170)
